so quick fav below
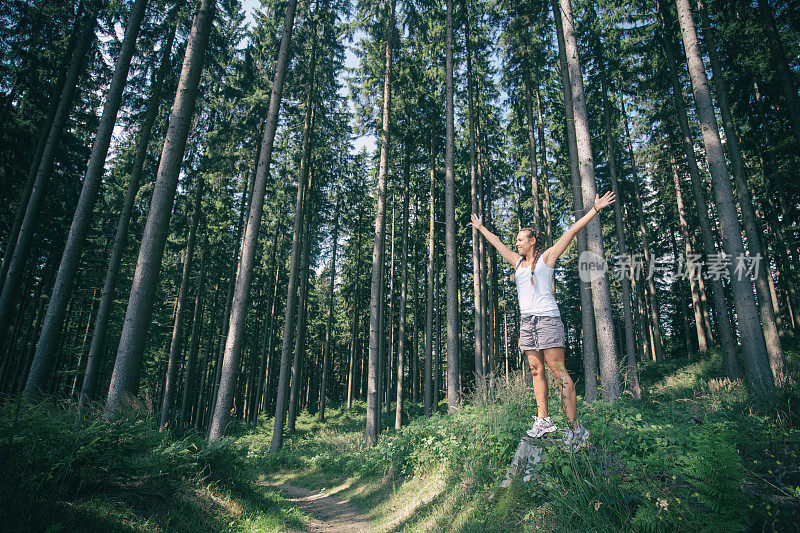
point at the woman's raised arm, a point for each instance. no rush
(551, 255)
(494, 240)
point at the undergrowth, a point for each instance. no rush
(696, 453)
(125, 476)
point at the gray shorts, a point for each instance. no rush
(540, 332)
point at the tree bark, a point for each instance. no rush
(427, 372)
(727, 335)
(121, 237)
(375, 338)
(451, 282)
(282, 396)
(194, 339)
(601, 297)
(630, 343)
(125, 378)
(386, 395)
(351, 374)
(300, 326)
(587, 312)
(266, 340)
(751, 226)
(758, 375)
(401, 329)
(702, 342)
(62, 289)
(480, 370)
(548, 217)
(326, 351)
(531, 144)
(76, 32)
(772, 185)
(177, 327)
(245, 270)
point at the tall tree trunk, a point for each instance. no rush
(727, 335)
(488, 365)
(97, 346)
(587, 312)
(282, 397)
(11, 240)
(401, 329)
(351, 374)
(526, 73)
(548, 217)
(125, 378)
(702, 342)
(16, 264)
(62, 289)
(74, 390)
(630, 343)
(386, 396)
(785, 76)
(772, 185)
(480, 370)
(751, 226)
(427, 372)
(216, 367)
(415, 349)
(266, 339)
(677, 288)
(194, 339)
(300, 326)
(326, 351)
(451, 285)
(175, 346)
(601, 297)
(758, 375)
(437, 361)
(245, 270)
(650, 289)
(266, 401)
(375, 338)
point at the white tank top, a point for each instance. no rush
(536, 298)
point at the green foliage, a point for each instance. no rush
(696, 453)
(124, 476)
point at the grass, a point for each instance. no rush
(695, 453)
(125, 476)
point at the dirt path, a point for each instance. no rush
(329, 513)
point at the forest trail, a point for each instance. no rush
(329, 513)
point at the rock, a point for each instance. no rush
(530, 453)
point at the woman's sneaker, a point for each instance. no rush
(540, 427)
(573, 438)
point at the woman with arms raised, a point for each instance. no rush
(541, 335)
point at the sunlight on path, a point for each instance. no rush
(330, 514)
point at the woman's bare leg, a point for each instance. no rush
(555, 360)
(536, 362)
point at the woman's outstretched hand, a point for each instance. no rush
(477, 223)
(599, 203)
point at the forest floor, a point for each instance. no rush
(695, 453)
(327, 512)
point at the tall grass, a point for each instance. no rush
(124, 476)
(681, 458)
